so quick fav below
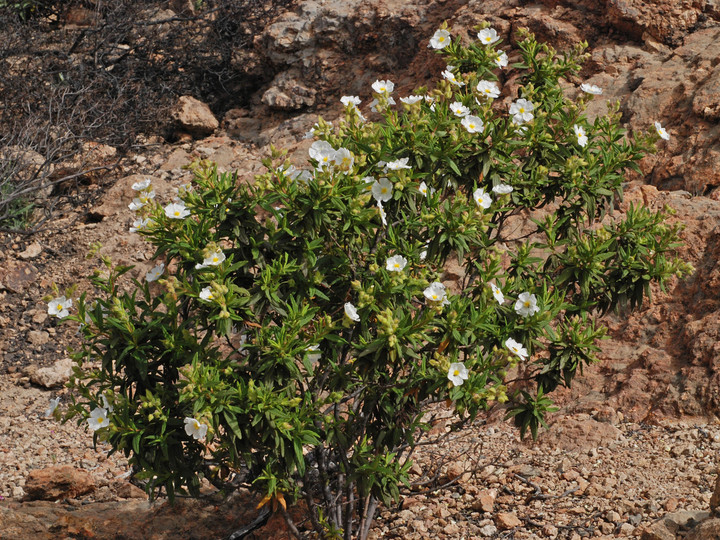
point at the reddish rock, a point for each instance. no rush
(59, 482)
(194, 117)
(15, 276)
(507, 520)
(485, 500)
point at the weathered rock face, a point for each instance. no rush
(56, 483)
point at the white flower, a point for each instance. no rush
(195, 429)
(482, 199)
(396, 263)
(300, 175)
(139, 186)
(213, 259)
(423, 255)
(457, 373)
(155, 273)
(354, 101)
(435, 293)
(516, 348)
(51, 408)
(383, 214)
(382, 190)
(459, 109)
(450, 76)
(501, 59)
(661, 131)
(581, 135)
(473, 124)
(140, 224)
(425, 190)
(343, 159)
(411, 100)
(323, 153)
(98, 419)
(497, 293)
(136, 204)
(526, 305)
(107, 405)
(440, 39)
(369, 181)
(313, 353)
(374, 103)
(176, 211)
(59, 307)
(521, 111)
(591, 89)
(488, 36)
(398, 164)
(383, 87)
(488, 89)
(206, 294)
(351, 312)
(502, 189)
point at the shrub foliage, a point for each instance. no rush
(304, 320)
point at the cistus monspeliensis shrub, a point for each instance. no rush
(298, 331)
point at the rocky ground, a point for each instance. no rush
(632, 452)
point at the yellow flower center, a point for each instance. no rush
(456, 372)
(215, 259)
(383, 190)
(527, 303)
(434, 296)
(177, 213)
(59, 308)
(441, 39)
(397, 265)
(472, 126)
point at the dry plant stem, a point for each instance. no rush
(289, 522)
(367, 518)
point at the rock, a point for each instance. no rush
(706, 102)
(715, 499)
(287, 92)
(488, 531)
(485, 500)
(668, 526)
(239, 125)
(15, 276)
(116, 200)
(38, 337)
(706, 530)
(52, 376)
(626, 530)
(58, 482)
(32, 251)
(126, 490)
(194, 117)
(507, 520)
